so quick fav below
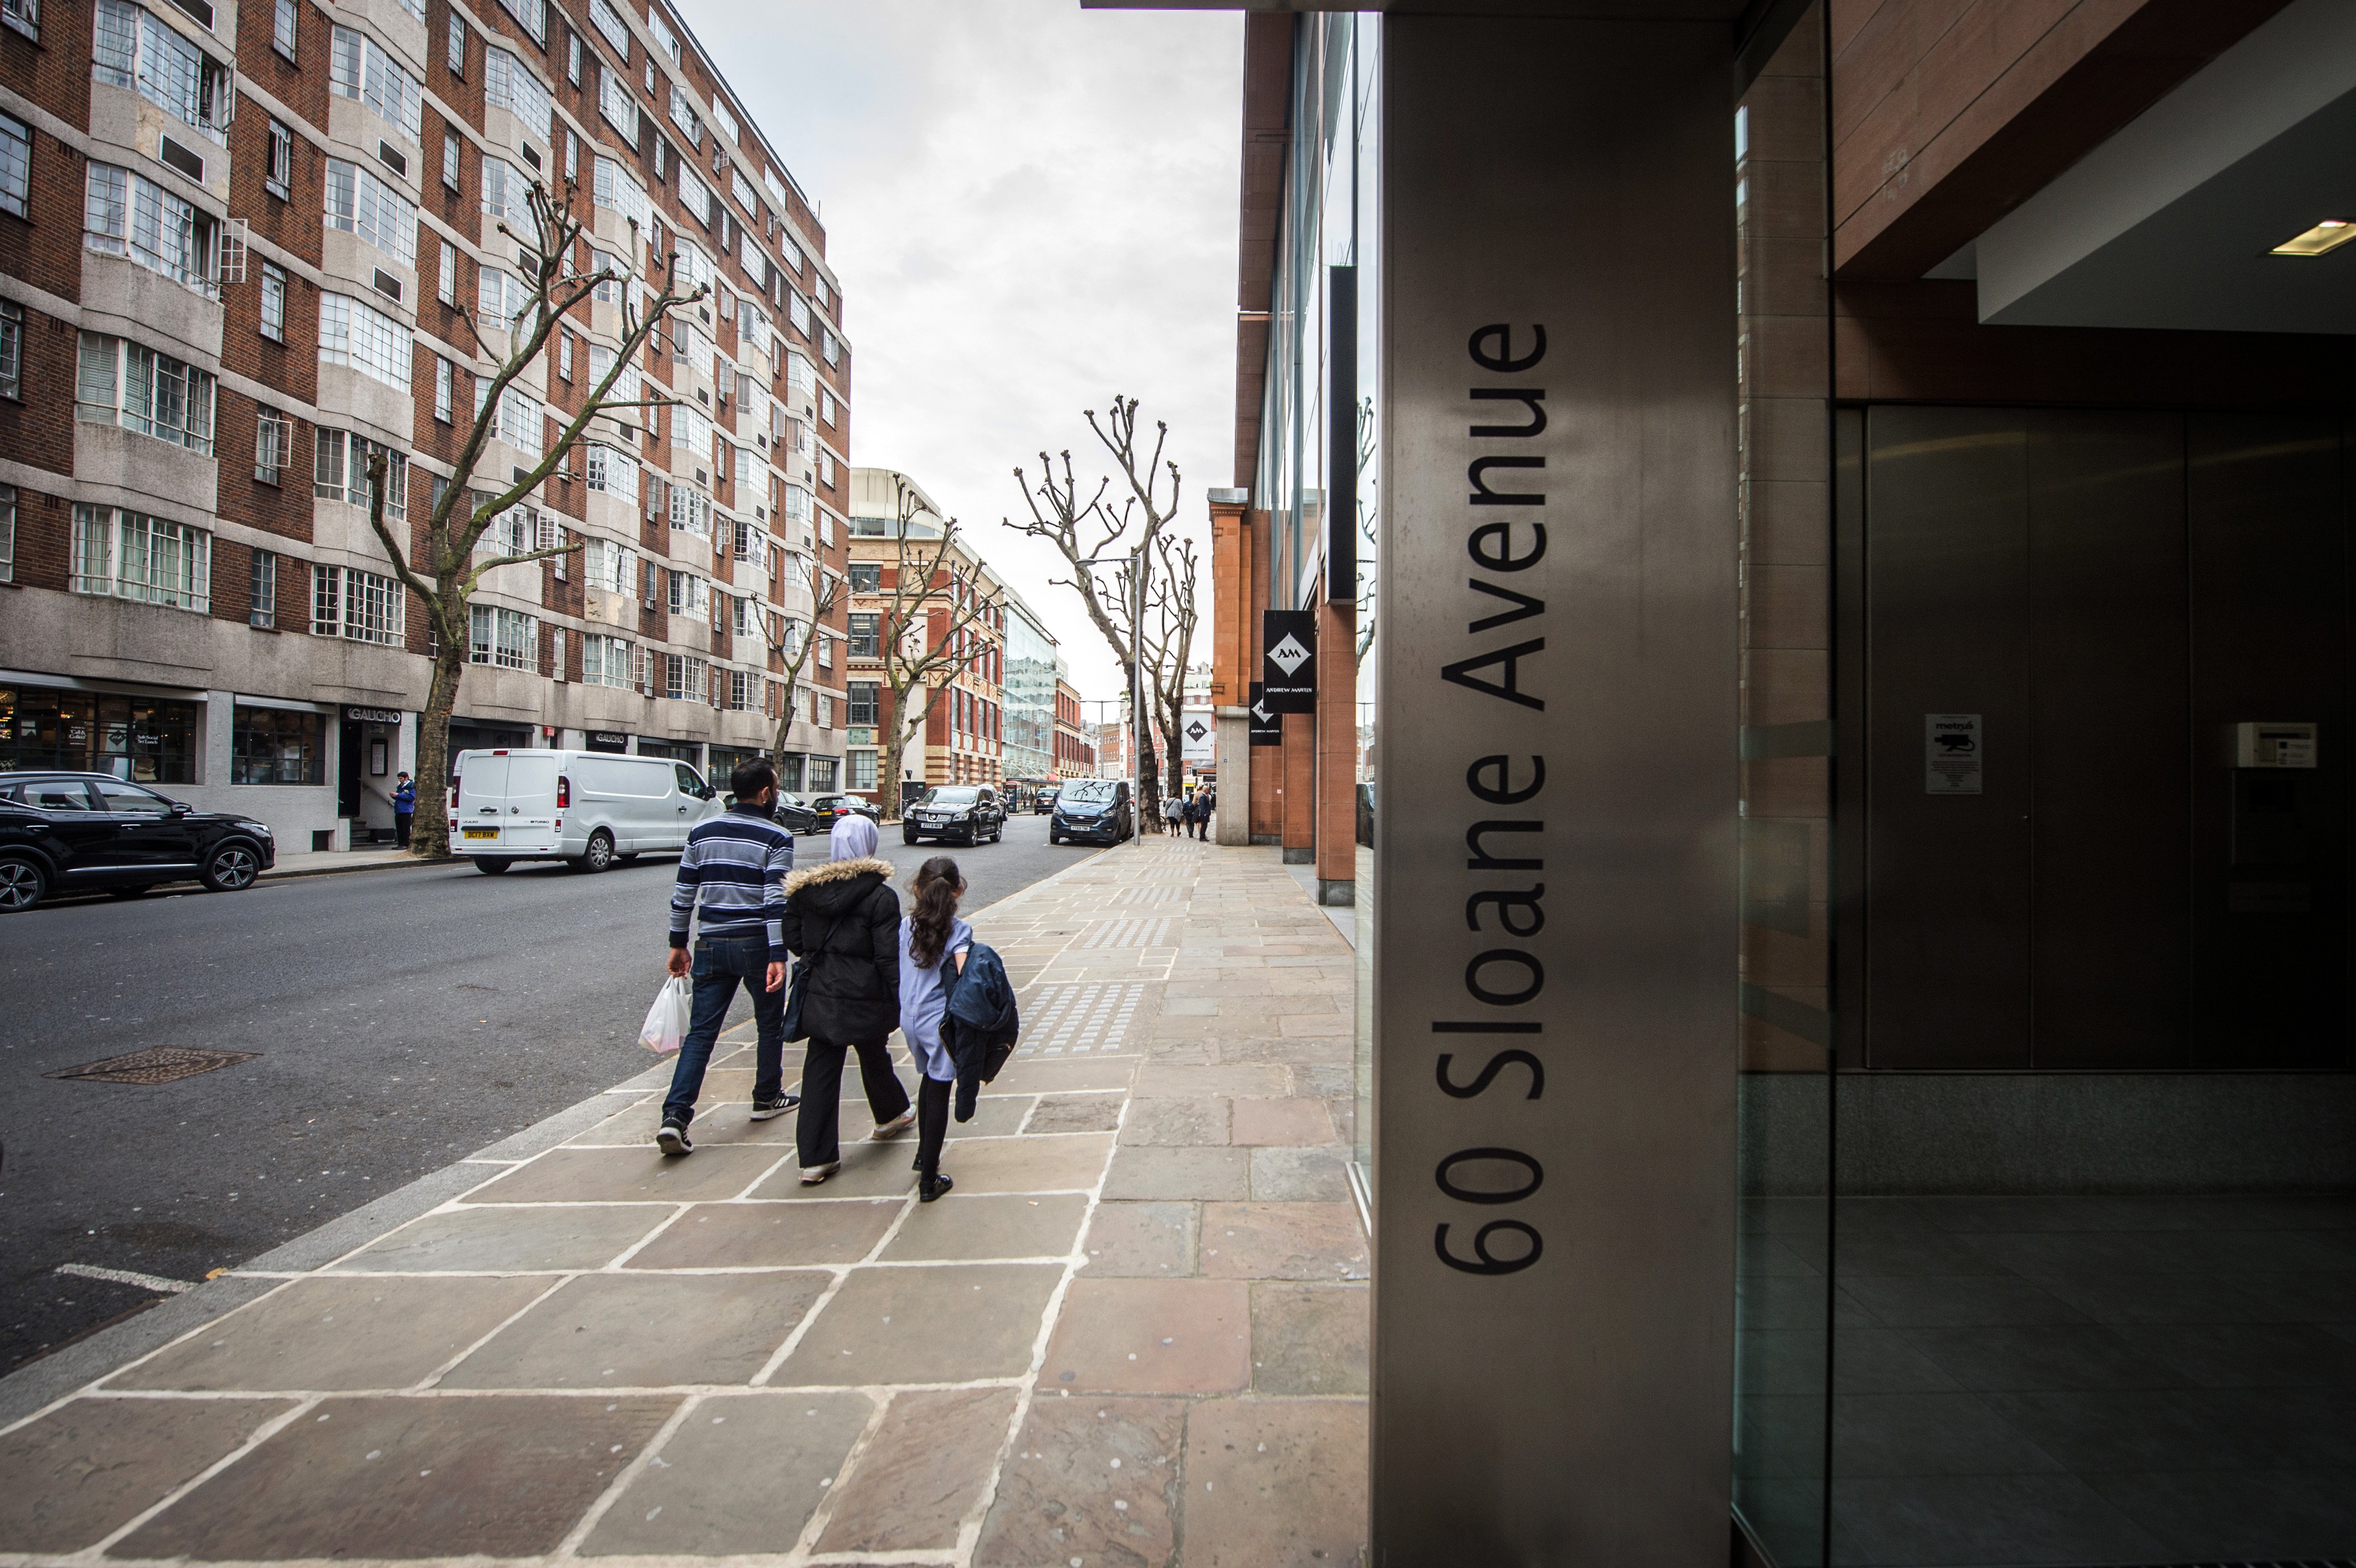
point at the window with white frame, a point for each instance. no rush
(359, 67)
(126, 214)
(572, 74)
(361, 606)
(339, 471)
(273, 444)
(747, 464)
(450, 159)
(743, 690)
(690, 595)
(16, 166)
(664, 37)
(454, 51)
(12, 348)
(282, 27)
(138, 50)
(353, 332)
(278, 174)
(606, 567)
(133, 556)
(724, 119)
(787, 251)
(801, 377)
(691, 512)
(694, 271)
(607, 661)
(502, 637)
(683, 677)
(608, 21)
(832, 348)
(508, 85)
(445, 390)
(360, 203)
(500, 295)
(262, 599)
(503, 190)
(695, 196)
(611, 472)
(797, 311)
(274, 301)
(445, 287)
(826, 410)
(618, 191)
(7, 534)
(117, 381)
(824, 652)
(819, 290)
(691, 431)
(610, 288)
(519, 422)
(564, 356)
(683, 115)
(619, 107)
(798, 504)
(532, 13)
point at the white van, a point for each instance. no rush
(591, 808)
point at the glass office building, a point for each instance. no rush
(1033, 667)
(2037, 1022)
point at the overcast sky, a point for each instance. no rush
(1031, 208)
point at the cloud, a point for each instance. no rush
(1031, 207)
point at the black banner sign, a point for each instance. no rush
(1288, 660)
(1266, 728)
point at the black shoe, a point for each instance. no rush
(672, 1139)
(764, 1109)
(932, 1186)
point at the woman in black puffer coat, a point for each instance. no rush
(844, 918)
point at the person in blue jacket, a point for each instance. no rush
(933, 945)
(404, 808)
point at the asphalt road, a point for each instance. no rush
(404, 1019)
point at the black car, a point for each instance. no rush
(1042, 802)
(960, 813)
(61, 832)
(1092, 809)
(829, 807)
(796, 815)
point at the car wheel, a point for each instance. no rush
(491, 864)
(599, 853)
(21, 885)
(136, 890)
(232, 868)
(1055, 837)
(908, 837)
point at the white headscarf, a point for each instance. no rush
(853, 838)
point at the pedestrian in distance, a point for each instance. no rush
(1194, 815)
(1170, 814)
(934, 942)
(845, 919)
(404, 808)
(732, 876)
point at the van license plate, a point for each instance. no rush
(482, 833)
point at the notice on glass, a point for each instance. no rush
(1951, 754)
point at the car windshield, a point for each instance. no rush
(1088, 789)
(955, 795)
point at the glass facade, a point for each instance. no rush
(1028, 694)
(1328, 281)
(148, 739)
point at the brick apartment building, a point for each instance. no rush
(964, 740)
(1075, 754)
(235, 240)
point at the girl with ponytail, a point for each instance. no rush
(933, 946)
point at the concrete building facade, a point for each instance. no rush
(238, 246)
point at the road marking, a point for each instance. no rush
(126, 1277)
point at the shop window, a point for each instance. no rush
(273, 745)
(148, 740)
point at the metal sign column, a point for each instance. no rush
(1555, 946)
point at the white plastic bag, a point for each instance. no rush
(665, 1029)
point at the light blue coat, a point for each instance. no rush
(924, 997)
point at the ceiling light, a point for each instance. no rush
(2328, 235)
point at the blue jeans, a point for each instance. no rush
(718, 967)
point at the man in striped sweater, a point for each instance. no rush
(733, 870)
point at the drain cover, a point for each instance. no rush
(158, 1064)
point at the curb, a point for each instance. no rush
(276, 875)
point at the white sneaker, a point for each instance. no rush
(894, 1128)
(818, 1174)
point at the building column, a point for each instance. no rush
(1297, 789)
(1337, 753)
(1235, 773)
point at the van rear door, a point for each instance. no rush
(482, 797)
(531, 820)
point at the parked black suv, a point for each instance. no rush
(958, 814)
(68, 830)
(1092, 809)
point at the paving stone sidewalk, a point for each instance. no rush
(1134, 1335)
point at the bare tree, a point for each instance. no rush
(1095, 535)
(441, 569)
(792, 640)
(1171, 622)
(933, 603)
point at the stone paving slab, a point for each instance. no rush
(1134, 1334)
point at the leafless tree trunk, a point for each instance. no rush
(792, 642)
(919, 662)
(1103, 544)
(1171, 632)
(443, 572)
